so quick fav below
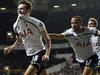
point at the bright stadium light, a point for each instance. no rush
(56, 6)
(73, 5)
(9, 33)
(2, 8)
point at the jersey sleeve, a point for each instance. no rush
(15, 31)
(67, 32)
(37, 23)
(41, 26)
(64, 33)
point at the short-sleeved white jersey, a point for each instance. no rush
(80, 42)
(29, 29)
(96, 44)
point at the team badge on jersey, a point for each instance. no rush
(40, 24)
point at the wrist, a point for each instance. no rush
(11, 47)
(47, 54)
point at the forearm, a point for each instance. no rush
(17, 43)
(48, 46)
(47, 41)
(55, 36)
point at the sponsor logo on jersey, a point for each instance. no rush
(25, 32)
(83, 44)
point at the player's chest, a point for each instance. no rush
(80, 40)
(24, 31)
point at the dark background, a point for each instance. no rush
(56, 19)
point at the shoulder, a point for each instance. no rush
(31, 19)
(68, 32)
(37, 21)
(34, 19)
(15, 23)
(86, 30)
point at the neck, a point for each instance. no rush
(79, 30)
(27, 14)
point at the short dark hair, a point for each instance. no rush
(79, 18)
(27, 3)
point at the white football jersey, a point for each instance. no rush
(29, 29)
(96, 44)
(81, 43)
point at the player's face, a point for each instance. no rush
(22, 9)
(91, 24)
(75, 24)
